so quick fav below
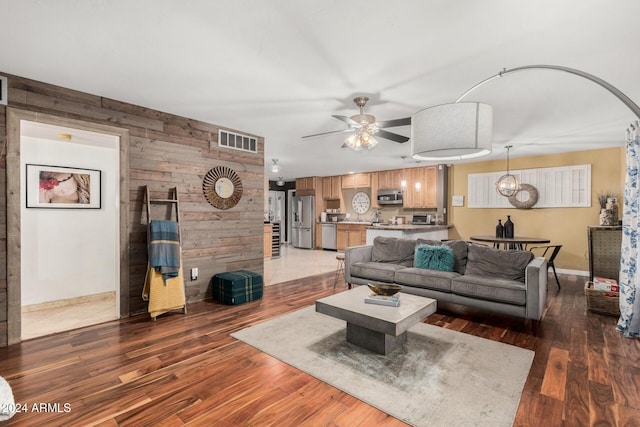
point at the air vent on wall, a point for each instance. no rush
(4, 94)
(237, 141)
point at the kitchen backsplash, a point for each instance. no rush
(386, 212)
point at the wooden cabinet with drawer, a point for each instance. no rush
(350, 235)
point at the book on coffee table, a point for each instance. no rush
(392, 300)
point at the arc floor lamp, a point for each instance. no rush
(463, 130)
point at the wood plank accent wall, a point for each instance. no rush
(4, 327)
(165, 151)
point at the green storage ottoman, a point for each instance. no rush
(237, 287)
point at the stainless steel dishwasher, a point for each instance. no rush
(329, 236)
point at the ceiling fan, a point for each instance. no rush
(364, 126)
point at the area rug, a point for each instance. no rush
(7, 404)
(438, 377)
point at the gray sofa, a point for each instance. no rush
(506, 282)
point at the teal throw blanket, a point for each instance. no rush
(164, 248)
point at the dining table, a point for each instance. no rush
(517, 242)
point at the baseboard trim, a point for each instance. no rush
(573, 272)
(69, 301)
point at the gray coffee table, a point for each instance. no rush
(377, 328)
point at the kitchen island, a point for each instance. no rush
(408, 231)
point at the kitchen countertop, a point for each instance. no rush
(386, 226)
(344, 222)
(409, 227)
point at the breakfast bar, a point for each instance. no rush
(408, 231)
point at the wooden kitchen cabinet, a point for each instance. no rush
(421, 187)
(391, 179)
(342, 237)
(384, 180)
(397, 178)
(267, 240)
(331, 189)
(356, 180)
(431, 193)
(374, 191)
(350, 235)
(318, 236)
(306, 186)
(363, 180)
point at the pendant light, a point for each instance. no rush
(275, 167)
(507, 185)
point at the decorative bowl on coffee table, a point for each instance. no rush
(384, 288)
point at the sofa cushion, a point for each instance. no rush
(490, 288)
(393, 250)
(426, 279)
(433, 257)
(375, 271)
(496, 263)
(459, 248)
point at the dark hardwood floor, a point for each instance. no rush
(187, 370)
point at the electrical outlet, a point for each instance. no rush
(194, 273)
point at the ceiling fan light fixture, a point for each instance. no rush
(364, 126)
(456, 131)
(275, 167)
(367, 140)
(350, 142)
(361, 140)
(507, 185)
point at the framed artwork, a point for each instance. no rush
(61, 187)
(457, 201)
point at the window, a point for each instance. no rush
(559, 187)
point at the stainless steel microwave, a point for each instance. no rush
(389, 197)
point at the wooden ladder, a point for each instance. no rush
(175, 203)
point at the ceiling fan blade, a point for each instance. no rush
(347, 120)
(395, 122)
(391, 136)
(328, 133)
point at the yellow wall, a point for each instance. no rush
(565, 226)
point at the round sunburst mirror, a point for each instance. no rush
(222, 187)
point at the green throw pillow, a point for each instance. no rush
(434, 257)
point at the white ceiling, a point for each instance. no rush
(281, 68)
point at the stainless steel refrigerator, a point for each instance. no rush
(304, 227)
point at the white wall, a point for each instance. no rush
(68, 253)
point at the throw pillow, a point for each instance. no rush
(459, 248)
(393, 250)
(434, 257)
(484, 261)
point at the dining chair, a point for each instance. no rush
(550, 259)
